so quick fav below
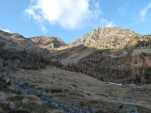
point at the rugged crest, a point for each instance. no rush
(109, 38)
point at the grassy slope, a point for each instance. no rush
(72, 87)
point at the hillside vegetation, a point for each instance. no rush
(106, 71)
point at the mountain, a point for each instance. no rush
(14, 41)
(109, 38)
(106, 71)
(111, 55)
(47, 42)
(17, 41)
(29, 53)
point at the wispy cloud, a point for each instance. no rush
(109, 24)
(69, 14)
(5, 29)
(106, 23)
(145, 11)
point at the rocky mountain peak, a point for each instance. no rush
(109, 38)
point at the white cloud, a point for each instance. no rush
(5, 29)
(109, 24)
(69, 14)
(144, 11)
(106, 23)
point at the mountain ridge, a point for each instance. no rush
(82, 78)
(99, 38)
(109, 38)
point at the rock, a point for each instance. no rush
(12, 106)
(4, 83)
(109, 38)
(3, 97)
(47, 42)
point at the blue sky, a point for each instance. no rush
(69, 19)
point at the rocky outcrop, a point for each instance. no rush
(47, 42)
(14, 41)
(20, 43)
(109, 38)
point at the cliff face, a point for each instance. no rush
(109, 38)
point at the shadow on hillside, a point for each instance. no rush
(22, 59)
(119, 66)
